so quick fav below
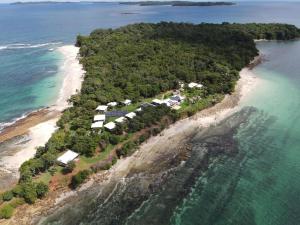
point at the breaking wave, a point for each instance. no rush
(27, 46)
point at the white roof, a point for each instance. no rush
(68, 156)
(138, 110)
(127, 101)
(98, 124)
(110, 125)
(176, 107)
(130, 115)
(100, 117)
(102, 108)
(167, 102)
(193, 85)
(157, 101)
(120, 119)
(112, 104)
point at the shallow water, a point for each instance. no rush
(266, 189)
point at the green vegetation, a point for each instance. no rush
(69, 167)
(142, 61)
(139, 62)
(79, 178)
(7, 196)
(273, 31)
(6, 211)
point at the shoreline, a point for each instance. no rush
(39, 125)
(169, 143)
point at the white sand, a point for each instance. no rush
(40, 134)
(73, 72)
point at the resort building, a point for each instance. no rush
(102, 108)
(96, 125)
(195, 85)
(177, 98)
(67, 157)
(120, 119)
(112, 104)
(130, 115)
(100, 117)
(181, 84)
(169, 102)
(157, 102)
(110, 126)
(127, 102)
(146, 104)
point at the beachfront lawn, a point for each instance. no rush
(86, 162)
(47, 176)
(44, 177)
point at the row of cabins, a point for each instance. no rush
(100, 118)
(174, 102)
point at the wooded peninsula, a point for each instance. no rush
(133, 70)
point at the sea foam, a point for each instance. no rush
(27, 46)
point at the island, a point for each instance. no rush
(139, 80)
(177, 3)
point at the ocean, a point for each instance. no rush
(257, 186)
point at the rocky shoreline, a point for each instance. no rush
(166, 150)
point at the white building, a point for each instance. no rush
(138, 109)
(157, 102)
(110, 126)
(112, 104)
(100, 117)
(195, 85)
(181, 84)
(98, 124)
(170, 102)
(127, 102)
(120, 119)
(102, 108)
(67, 157)
(130, 115)
(177, 98)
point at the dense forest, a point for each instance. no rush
(137, 62)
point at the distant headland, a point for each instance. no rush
(178, 3)
(141, 3)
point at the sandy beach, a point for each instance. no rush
(39, 125)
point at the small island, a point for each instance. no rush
(177, 3)
(139, 80)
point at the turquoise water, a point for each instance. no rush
(261, 184)
(30, 80)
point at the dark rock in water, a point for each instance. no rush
(150, 196)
